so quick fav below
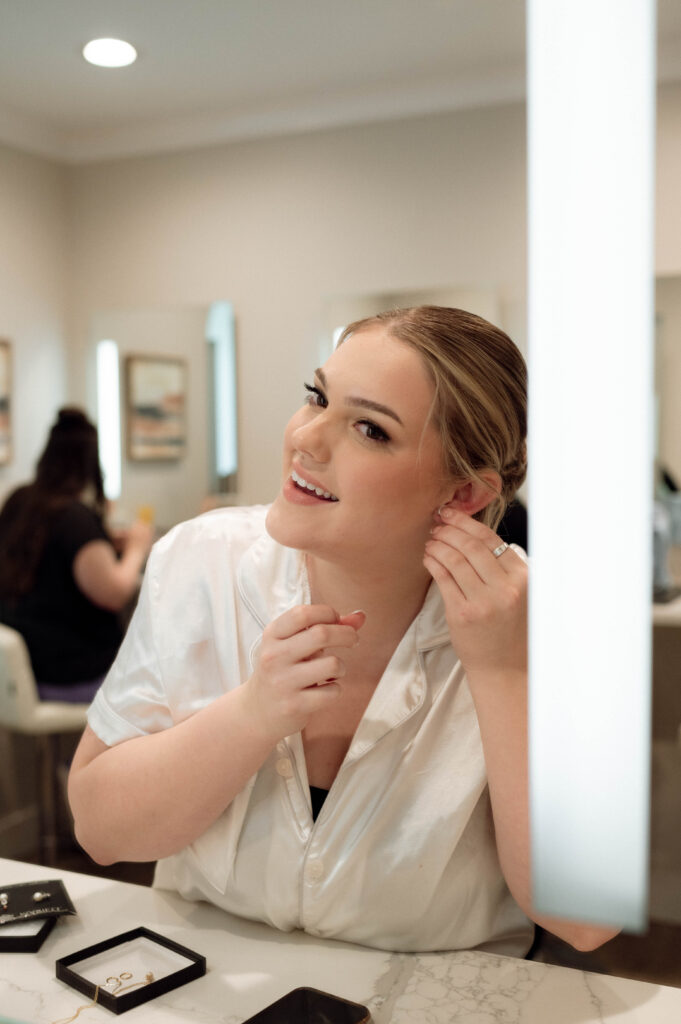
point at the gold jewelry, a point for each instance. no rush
(113, 980)
(149, 977)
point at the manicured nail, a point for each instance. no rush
(447, 513)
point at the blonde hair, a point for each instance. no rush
(480, 402)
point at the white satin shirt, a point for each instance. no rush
(402, 855)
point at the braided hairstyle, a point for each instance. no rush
(480, 403)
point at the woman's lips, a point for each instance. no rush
(311, 486)
(302, 496)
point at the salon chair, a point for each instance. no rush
(22, 711)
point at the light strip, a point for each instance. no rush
(220, 333)
(109, 417)
(591, 144)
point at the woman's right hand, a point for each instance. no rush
(298, 668)
(139, 536)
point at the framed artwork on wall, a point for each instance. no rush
(5, 402)
(156, 396)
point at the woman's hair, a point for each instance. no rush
(480, 403)
(68, 469)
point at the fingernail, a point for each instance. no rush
(446, 513)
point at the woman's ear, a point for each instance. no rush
(474, 495)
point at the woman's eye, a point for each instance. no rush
(372, 431)
(315, 396)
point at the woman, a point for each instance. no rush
(250, 699)
(61, 582)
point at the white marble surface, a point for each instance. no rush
(250, 965)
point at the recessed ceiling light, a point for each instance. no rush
(109, 53)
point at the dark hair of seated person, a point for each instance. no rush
(67, 469)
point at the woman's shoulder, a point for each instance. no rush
(220, 533)
(74, 514)
(74, 524)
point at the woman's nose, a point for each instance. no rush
(312, 438)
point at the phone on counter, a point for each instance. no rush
(310, 1006)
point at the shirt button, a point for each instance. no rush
(284, 768)
(315, 870)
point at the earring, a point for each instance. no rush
(4, 901)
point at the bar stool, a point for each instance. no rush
(22, 711)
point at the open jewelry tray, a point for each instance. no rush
(125, 962)
(25, 936)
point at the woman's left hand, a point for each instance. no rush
(485, 596)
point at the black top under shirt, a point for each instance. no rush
(318, 796)
(69, 639)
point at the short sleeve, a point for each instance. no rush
(132, 700)
(75, 526)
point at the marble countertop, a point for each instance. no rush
(250, 966)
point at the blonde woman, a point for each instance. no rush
(318, 717)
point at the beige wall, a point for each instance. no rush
(34, 252)
(276, 226)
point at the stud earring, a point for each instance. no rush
(38, 897)
(4, 901)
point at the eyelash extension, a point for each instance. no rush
(317, 398)
(312, 390)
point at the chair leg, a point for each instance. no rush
(48, 748)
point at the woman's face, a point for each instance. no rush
(365, 441)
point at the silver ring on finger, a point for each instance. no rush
(499, 550)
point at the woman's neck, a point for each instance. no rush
(391, 600)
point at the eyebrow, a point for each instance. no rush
(363, 403)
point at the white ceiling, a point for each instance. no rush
(213, 70)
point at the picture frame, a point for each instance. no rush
(127, 970)
(5, 402)
(156, 399)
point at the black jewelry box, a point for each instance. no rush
(125, 963)
(25, 936)
(310, 1006)
(24, 901)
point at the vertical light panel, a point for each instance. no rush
(109, 417)
(591, 94)
(220, 333)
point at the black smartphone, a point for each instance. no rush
(310, 1006)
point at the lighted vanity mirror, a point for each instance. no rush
(198, 342)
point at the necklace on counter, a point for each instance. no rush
(114, 985)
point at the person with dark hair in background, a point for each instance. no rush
(62, 583)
